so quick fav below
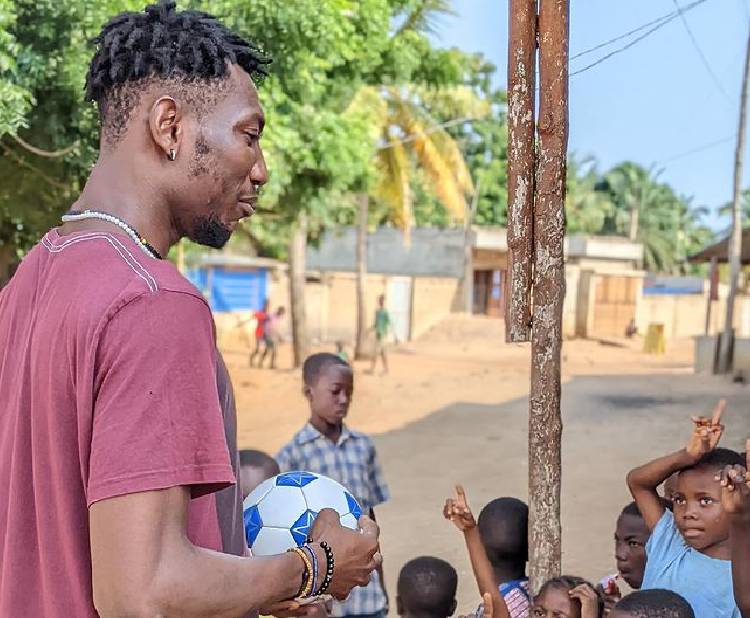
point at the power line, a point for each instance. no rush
(697, 149)
(702, 56)
(624, 35)
(636, 40)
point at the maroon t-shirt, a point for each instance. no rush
(108, 386)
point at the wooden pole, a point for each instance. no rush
(545, 422)
(362, 217)
(521, 84)
(710, 296)
(297, 270)
(468, 283)
(735, 243)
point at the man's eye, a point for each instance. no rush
(252, 138)
(634, 544)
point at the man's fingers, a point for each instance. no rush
(461, 495)
(718, 411)
(368, 527)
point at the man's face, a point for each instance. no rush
(222, 165)
(697, 509)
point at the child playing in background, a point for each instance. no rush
(654, 603)
(689, 551)
(255, 467)
(568, 596)
(341, 351)
(735, 500)
(498, 550)
(327, 446)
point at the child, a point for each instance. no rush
(426, 589)
(497, 548)
(260, 329)
(735, 499)
(689, 551)
(327, 446)
(568, 596)
(272, 336)
(255, 467)
(382, 326)
(631, 535)
(654, 603)
(341, 351)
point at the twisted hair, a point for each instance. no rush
(655, 603)
(185, 48)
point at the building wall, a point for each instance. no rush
(433, 299)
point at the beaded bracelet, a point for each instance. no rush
(307, 580)
(329, 567)
(314, 558)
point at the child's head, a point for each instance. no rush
(339, 346)
(255, 467)
(503, 525)
(329, 384)
(427, 589)
(280, 311)
(631, 535)
(554, 598)
(381, 301)
(655, 603)
(697, 500)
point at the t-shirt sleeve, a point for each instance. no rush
(378, 488)
(665, 543)
(157, 420)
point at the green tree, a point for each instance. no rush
(587, 207)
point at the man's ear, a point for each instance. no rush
(165, 124)
(307, 392)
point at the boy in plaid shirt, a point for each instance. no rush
(327, 446)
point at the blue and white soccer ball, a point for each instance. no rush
(280, 512)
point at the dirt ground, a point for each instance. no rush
(453, 409)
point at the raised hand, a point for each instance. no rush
(457, 510)
(706, 432)
(735, 488)
(356, 554)
(589, 600)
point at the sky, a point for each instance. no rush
(656, 103)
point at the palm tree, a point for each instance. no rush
(587, 207)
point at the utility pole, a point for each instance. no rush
(735, 243)
(362, 219)
(521, 84)
(468, 290)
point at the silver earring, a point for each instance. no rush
(172, 154)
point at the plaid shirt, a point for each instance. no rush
(353, 462)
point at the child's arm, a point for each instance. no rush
(457, 510)
(644, 481)
(735, 500)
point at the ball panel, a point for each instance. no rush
(282, 506)
(353, 506)
(349, 521)
(257, 494)
(253, 524)
(301, 528)
(271, 541)
(295, 479)
(326, 493)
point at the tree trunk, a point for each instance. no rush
(633, 232)
(297, 268)
(362, 218)
(545, 422)
(735, 243)
(468, 279)
(521, 67)
(5, 259)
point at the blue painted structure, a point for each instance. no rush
(230, 289)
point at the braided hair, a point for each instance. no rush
(184, 48)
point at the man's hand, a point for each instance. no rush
(589, 600)
(735, 488)
(457, 510)
(706, 433)
(356, 554)
(609, 592)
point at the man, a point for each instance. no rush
(116, 457)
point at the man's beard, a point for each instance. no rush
(210, 232)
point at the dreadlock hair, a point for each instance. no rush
(185, 49)
(655, 603)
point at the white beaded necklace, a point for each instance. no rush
(75, 215)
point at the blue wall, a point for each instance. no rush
(232, 290)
